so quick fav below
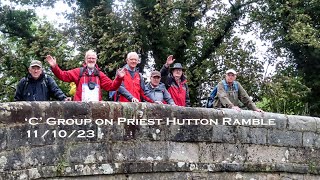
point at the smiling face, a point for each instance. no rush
(35, 71)
(230, 77)
(155, 80)
(177, 73)
(132, 60)
(91, 59)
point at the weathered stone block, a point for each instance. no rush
(267, 154)
(40, 108)
(76, 110)
(89, 153)
(294, 168)
(151, 151)
(222, 153)
(302, 123)
(318, 124)
(188, 152)
(15, 112)
(110, 133)
(12, 160)
(285, 138)
(307, 156)
(162, 176)
(3, 139)
(34, 173)
(281, 120)
(166, 166)
(55, 110)
(123, 151)
(252, 135)
(152, 132)
(117, 110)
(209, 167)
(224, 134)
(14, 175)
(311, 139)
(17, 136)
(43, 156)
(191, 133)
(48, 171)
(100, 110)
(138, 167)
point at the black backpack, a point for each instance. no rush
(45, 82)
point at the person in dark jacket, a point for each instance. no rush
(157, 91)
(133, 86)
(38, 86)
(176, 82)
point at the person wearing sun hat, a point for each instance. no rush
(157, 91)
(176, 82)
(38, 86)
(230, 93)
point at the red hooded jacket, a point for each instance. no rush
(73, 76)
(132, 87)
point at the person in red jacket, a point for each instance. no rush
(88, 79)
(133, 86)
(176, 82)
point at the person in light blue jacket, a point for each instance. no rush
(157, 91)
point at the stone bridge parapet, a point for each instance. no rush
(110, 140)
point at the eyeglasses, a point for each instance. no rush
(156, 77)
(133, 59)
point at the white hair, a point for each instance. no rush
(90, 52)
(133, 54)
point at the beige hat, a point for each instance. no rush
(231, 71)
(36, 63)
(155, 73)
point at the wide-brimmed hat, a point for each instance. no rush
(36, 63)
(177, 66)
(231, 71)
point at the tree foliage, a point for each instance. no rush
(293, 27)
(205, 36)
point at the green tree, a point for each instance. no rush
(285, 92)
(24, 38)
(293, 28)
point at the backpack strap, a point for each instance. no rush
(83, 69)
(25, 83)
(235, 85)
(225, 85)
(81, 72)
(45, 80)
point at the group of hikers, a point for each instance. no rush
(167, 86)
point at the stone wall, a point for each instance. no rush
(34, 146)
